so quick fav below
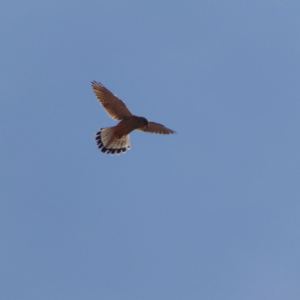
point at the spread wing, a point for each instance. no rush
(157, 128)
(115, 107)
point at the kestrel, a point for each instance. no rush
(115, 139)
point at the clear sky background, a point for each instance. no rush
(212, 212)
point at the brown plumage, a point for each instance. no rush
(115, 139)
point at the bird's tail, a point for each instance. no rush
(110, 143)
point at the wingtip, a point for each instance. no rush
(94, 83)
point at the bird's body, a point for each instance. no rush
(129, 124)
(116, 139)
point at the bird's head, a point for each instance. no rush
(144, 122)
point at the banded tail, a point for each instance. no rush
(108, 142)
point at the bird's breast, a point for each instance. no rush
(125, 127)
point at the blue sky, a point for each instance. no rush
(209, 213)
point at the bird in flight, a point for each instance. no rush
(115, 139)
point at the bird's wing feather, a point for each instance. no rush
(115, 107)
(157, 128)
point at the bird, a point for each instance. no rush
(115, 140)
